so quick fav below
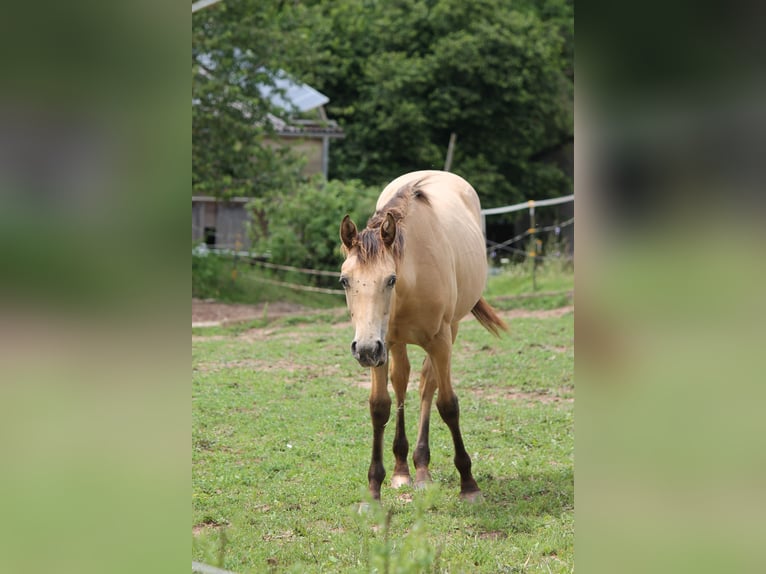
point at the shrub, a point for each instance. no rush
(211, 274)
(302, 227)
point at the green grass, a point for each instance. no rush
(281, 444)
(236, 281)
(513, 287)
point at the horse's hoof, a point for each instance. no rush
(472, 497)
(399, 480)
(422, 479)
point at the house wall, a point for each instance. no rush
(198, 221)
(231, 226)
(224, 223)
(310, 148)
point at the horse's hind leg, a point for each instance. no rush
(400, 376)
(440, 352)
(422, 455)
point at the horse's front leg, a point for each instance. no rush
(380, 410)
(400, 376)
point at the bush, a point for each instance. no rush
(302, 227)
(211, 274)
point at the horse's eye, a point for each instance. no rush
(344, 282)
(391, 280)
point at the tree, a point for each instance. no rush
(403, 75)
(233, 47)
(303, 226)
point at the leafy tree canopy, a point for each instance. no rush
(402, 75)
(234, 44)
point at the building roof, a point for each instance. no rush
(290, 95)
(285, 93)
(309, 128)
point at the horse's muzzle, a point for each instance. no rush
(372, 354)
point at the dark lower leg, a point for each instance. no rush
(401, 447)
(400, 376)
(422, 455)
(380, 410)
(450, 413)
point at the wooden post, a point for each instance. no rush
(203, 4)
(533, 252)
(326, 157)
(450, 151)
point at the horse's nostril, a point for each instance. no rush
(353, 347)
(378, 348)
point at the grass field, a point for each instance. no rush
(281, 444)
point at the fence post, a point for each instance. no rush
(533, 252)
(234, 271)
(450, 151)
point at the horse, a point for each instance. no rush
(410, 276)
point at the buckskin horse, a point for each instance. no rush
(410, 276)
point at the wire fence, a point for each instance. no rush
(506, 245)
(531, 253)
(298, 287)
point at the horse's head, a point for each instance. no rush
(368, 275)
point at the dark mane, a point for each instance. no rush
(370, 245)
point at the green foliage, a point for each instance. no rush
(229, 116)
(401, 77)
(404, 75)
(302, 228)
(410, 553)
(235, 280)
(213, 276)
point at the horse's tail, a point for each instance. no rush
(488, 317)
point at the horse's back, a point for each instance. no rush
(449, 193)
(447, 228)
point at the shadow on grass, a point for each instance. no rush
(521, 503)
(517, 504)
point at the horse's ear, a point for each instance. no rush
(388, 230)
(348, 232)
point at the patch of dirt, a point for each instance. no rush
(490, 394)
(327, 526)
(493, 535)
(554, 348)
(252, 364)
(206, 338)
(540, 314)
(261, 333)
(516, 395)
(210, 313)
(205, 527)
(287, 535)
